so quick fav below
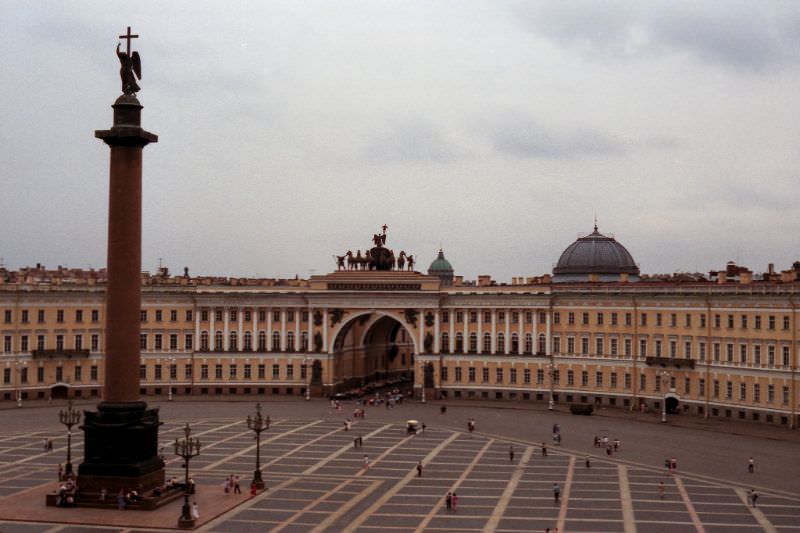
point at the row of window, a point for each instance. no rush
(158, 315)
(25, 316)
(670, 349)
(730, 321)
(24, 378)
(247, 315)
(233, 371)
(599, 382)
(41, 343)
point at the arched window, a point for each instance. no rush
(304, 341)
(248, 341)
(487, 343)
(233, 339)
(262, 341)
(473, 342)
(290, 341)
(445, 347)
(459, 342)
(514, 343)
(276, 341)
(218, 341)
(501, 343)
(528, 343)
(542, 343)
(204, 341)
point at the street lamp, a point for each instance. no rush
(69, 418)
(186, 448)
(19, 364)
(664, 376)
(422, 379)
(171, 366)
(258, 424)
(308, 361)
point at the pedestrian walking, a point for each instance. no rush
(511, 453)
(226, 486)
(751, 465)
(544, 450)
(419, 468)
(556, 492)
(588, 462)
(49, 445)
(616, 444)
(455, 500)
(195, 511)
(366, 462)
(237, 489)
(755, 498)
(673, 465)
(121, 500)
(471, 425)
(44, 444)
(448, 501)
(443, 409)
(661, 489)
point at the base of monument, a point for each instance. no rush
(121, 449)
(148, 502)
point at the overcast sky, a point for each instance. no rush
(290, 131)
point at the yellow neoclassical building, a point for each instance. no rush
(596, 331)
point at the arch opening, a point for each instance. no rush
(671, 402)
(372, 351)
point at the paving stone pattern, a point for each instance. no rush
(318, 481)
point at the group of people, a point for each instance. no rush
(609, 446)
(232, 484)
(556, 434)
(451, 501)
(67, 492)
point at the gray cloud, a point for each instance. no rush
(523, 136)
(745, 35)
(411, 142)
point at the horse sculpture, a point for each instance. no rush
(410, 263)
(340, 262)
(401, 260)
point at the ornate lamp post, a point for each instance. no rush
(171, 366)
(258, 424)
(664, 376)
(69, 418)
(422, 379)
(308, 361)
(19, 364)
(186, 448)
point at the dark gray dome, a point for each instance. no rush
(594, 254)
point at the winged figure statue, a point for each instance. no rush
(129, 71)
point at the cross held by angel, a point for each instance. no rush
(130, 65)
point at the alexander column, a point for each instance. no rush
(121, 437)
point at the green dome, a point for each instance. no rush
(442, 268)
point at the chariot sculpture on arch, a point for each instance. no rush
(379, 257)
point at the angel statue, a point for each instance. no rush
(129, 71)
